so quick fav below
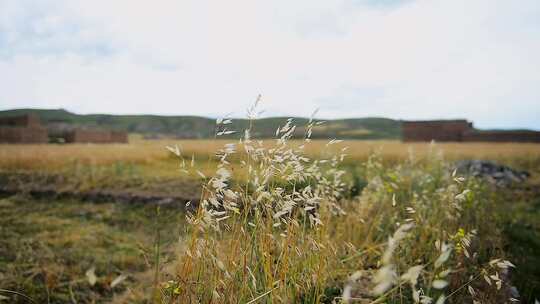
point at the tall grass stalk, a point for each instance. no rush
(286, 232)
(156, 293)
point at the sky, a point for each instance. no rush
(402, 59)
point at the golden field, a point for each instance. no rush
(51, 247)
(153, 152)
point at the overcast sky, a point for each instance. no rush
(351, 58)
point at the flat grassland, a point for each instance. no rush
(66, 250)
(148, 164)
(153, 157)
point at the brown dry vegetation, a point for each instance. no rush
(152, 153)
(415, 173)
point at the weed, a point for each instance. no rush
(257, 240)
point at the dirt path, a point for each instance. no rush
(101, 196)
(54, 186)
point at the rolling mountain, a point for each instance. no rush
(202, 127)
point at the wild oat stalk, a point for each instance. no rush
(266, 235)
(284, 233)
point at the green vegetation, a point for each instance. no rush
(291, 221)
(201, 127)
(417, 233)
(522, 232)
(49, 248)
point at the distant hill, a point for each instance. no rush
(202, 127)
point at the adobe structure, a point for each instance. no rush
(460, 130)
(22, 129)
(28, 129)
(503, 136)
(94, 136)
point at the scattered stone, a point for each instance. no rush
(499, 175)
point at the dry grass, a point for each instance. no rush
(153, 153)
(276, 240)
(284, 232)
(46, 248)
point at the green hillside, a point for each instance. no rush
(202, 127)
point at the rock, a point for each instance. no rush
(359, 287)
(514, 292)
(494, 173)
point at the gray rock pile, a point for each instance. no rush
(494, 173)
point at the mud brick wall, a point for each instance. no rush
(502, 136)
(87, 136)
(22, 129)
(29, 120)
(119, 137)
(95, 136)
(23, 135)
(438, 130)
(35, 135)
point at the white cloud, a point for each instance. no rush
(404, 59)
